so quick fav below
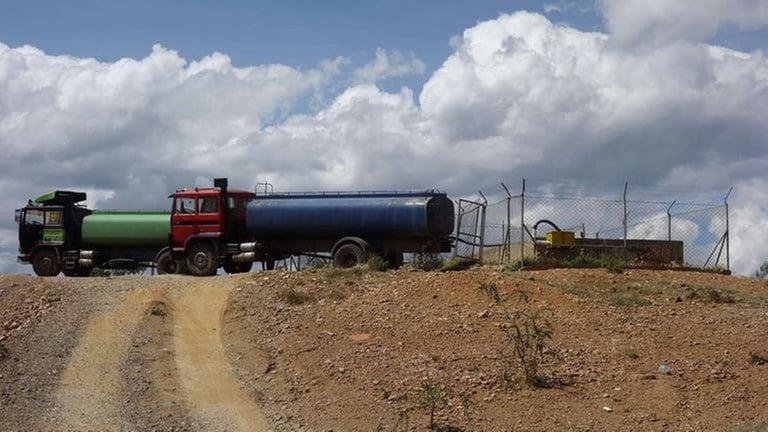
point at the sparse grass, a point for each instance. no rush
(753, 426)
(631, 354)
(376, 263)
(338, 273)
(757, 359)
(710, 294)
(458, 264)
(427, 261)
(627, 300)
(337, 294)
(293, 297)
(528, 339)
(429, 398)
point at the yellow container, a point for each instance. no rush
(561, 238)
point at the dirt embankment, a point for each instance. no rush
(351, 351)
(356, 350)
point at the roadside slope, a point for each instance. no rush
(361, 351)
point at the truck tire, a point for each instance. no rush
(232, 267)
(395, 259)
(166, 264)
(202, 260)
(348, 255)
(46, 263)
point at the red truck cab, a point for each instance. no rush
(208, 229)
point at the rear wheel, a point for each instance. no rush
(202, 260)
(232, 267)
(348, 255)
(46, 263)
(166, 264)
(395, 259)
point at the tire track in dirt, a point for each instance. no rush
(90, 388)
(206, 375)
(151, 396)
(94, 392)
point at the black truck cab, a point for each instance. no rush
(48, 227)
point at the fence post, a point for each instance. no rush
(508, 233)
(626, 185)
(458, 230)
(669, 220)
(482, 227)
(522, 227)
(727, 232)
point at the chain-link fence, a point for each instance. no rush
(648, 226)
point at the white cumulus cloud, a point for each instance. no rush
(657, 22)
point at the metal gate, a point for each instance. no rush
(470, 228)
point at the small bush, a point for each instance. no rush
(427, 261)
(631, 353)
(614, 264)
(491, 291)
(528, 336)
(710, 294)
(293, 297)
(377, 263)
(757, 359)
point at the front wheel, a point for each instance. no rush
(46, 263)
(348, 256)
(202, 260)
(166, 264)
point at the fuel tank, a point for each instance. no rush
(142, 229)
(427, 214)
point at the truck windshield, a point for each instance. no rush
(34, 217)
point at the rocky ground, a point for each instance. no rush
(359, 350)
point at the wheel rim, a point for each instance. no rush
(349, 260)
(46, 263)
(201, 260)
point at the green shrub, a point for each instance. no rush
(631, 353)
(293, 297)
(427, 261)
(757, 359)
(377, 263)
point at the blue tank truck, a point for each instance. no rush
(350, 226)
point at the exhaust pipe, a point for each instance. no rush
(87, 254)
(244, 257)
(84, 262)
(248, 247)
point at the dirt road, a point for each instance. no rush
(156, 347)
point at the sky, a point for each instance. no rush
(129, 100)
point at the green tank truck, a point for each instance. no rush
(59, 234)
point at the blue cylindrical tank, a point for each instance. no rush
(368, 215)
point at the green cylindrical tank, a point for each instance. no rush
(126, 228)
